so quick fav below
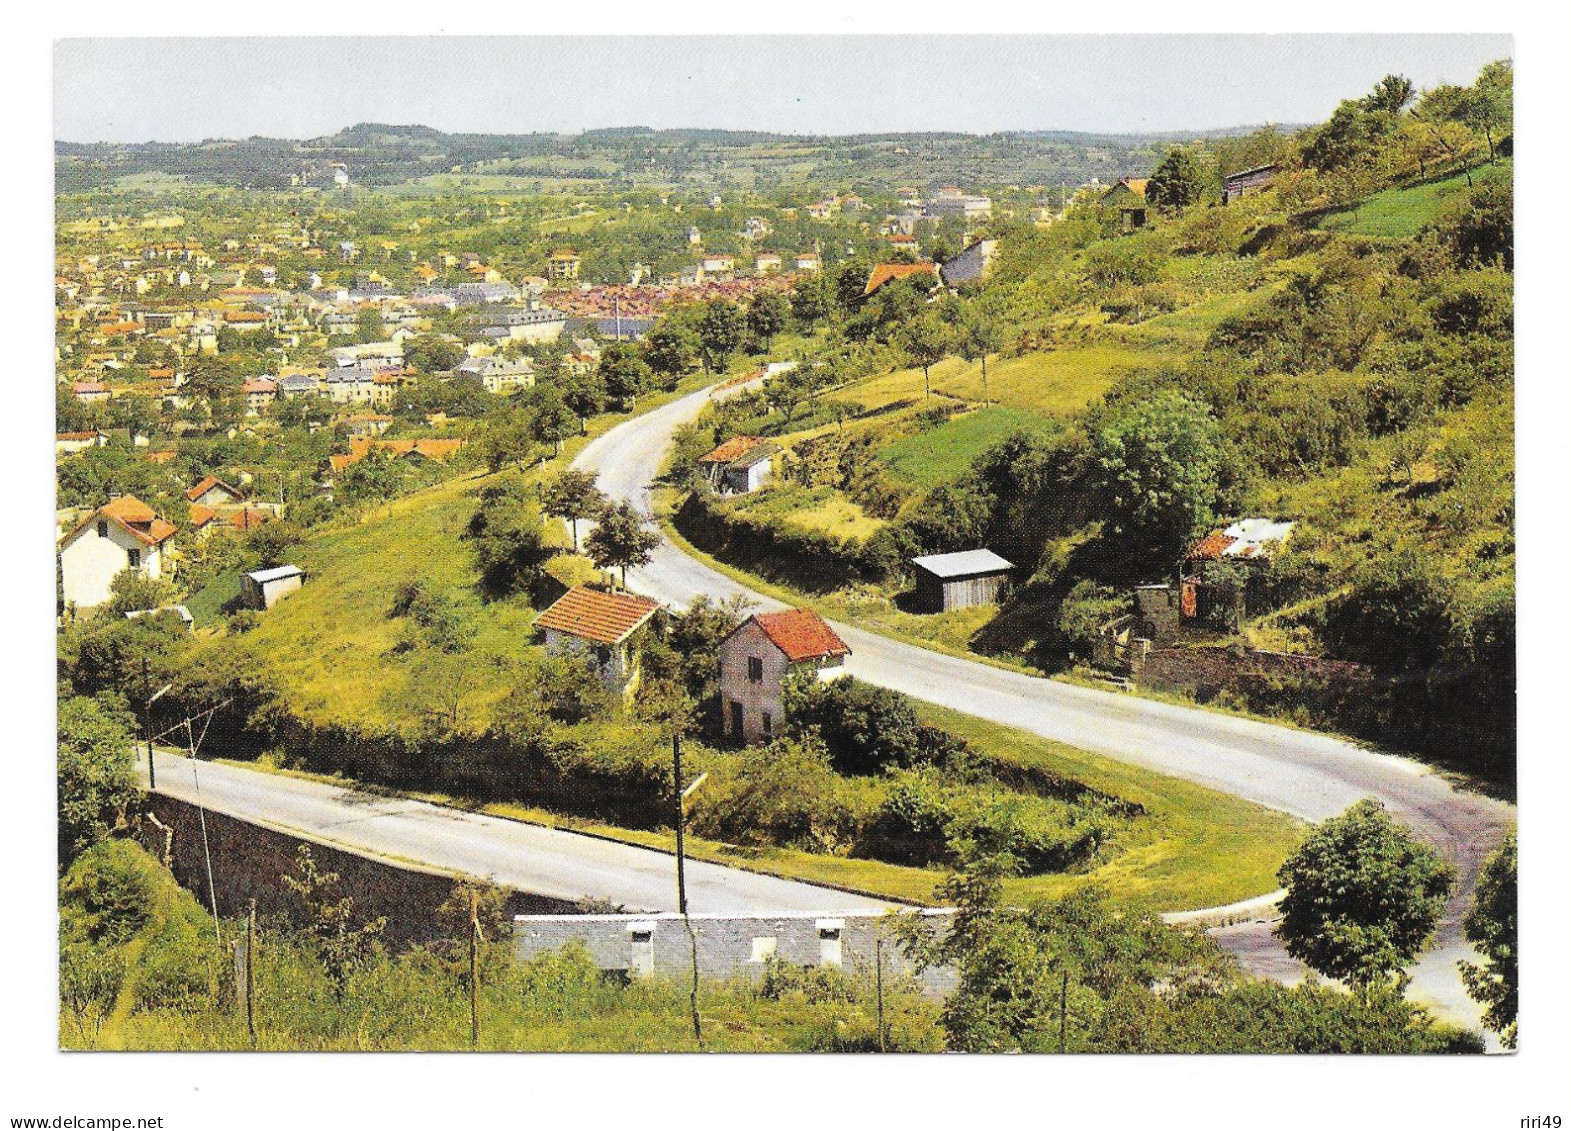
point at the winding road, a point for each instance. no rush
(1308, 775)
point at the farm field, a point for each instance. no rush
(1399, 213)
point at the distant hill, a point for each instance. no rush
(380, 154)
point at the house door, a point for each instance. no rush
(736, 719)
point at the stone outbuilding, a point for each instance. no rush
(960, 581)
(759, 655)
(602, 627)
(264, 588)
(739, 466)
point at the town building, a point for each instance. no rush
(961, 580)
(562, 265)
(602, 627)
(758, 657)
(123, 534)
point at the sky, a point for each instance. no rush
(182, 90)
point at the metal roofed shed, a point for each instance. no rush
(961, 580)
(264, 588)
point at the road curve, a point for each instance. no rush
(1308, 775)
(530, 858)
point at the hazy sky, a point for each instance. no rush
(190, 89)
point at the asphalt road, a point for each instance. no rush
(1308, 775)
(530, 858)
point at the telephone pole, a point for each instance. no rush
(474, 969)
(681, 876)
(250, 973)
(147, 723)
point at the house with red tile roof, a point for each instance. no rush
(758, 657)
(210, 491)
(123, 534)
(889, 272)
(603, 628)
(740, 465)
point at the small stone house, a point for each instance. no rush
(759, 655)
(960, 581)
(122, 534)
(210, 491)
(740, 465)
(604, 628)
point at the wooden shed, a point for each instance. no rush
(960, 581)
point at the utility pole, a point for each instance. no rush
(250, 973)
(681, 876)
(474, 968)
(878, 959)
(147, 723)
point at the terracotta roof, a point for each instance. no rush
(89, 387)
(132, 514)
(734, 448)
(160, 457)
(207, 483)
(247, 519)
(259, 385)
(76, 435)
(888, 272)
(597, 616)
(801, 634)
(1212, 546)
(200, 516)
(127, 508)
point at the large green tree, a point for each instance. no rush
(94, 768)
(1363, 896)
(1177, 182)
(572, 496)
(927, 340)
(719, 333)
(1159, 463)
(620, 539)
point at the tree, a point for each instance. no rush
(584, 392)
(767, 314)
(1391, 95)
(554, 421)
(131, 590)
(670, 349)
(1490, 926)
(812, 299)
(1177, 182)
(620, 539)
(341, 946)
(1363, 896)
(431, 354)
(1489, 110)
(571, 496)
(977, 336)
(624, 373)
(927, 341)
(1159, 464)
(368, 325)
(719, 333)
(94, 768)
(508, 437)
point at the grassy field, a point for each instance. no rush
(1399, 213)
(942, 454)
(1059, 382)
(819, 509)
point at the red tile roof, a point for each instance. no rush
(207, 483)
(135, 516)
(889, 272)
(801, 634)
(734, 448)
(597, 616)
(1211, 546)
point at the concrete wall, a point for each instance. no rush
(728, 946)
(249, 861)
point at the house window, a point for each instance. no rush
(755, 669)
(103, 528)
(135, 557)
(769, 723)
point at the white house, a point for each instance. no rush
(602, 627)
(122, 534)
(758, 656)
